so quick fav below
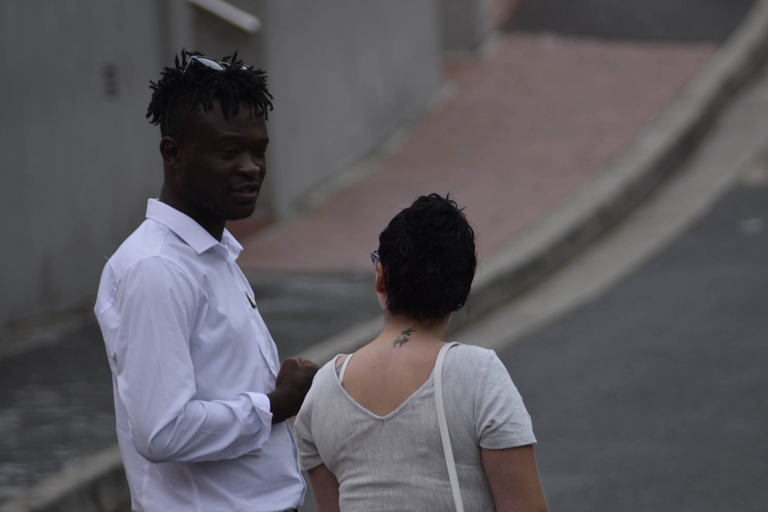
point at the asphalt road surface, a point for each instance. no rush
(655, 396)
(645, 20)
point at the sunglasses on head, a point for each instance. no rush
(205, 61)
(208, 62)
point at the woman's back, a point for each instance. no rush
(381, 376)
(395, 461)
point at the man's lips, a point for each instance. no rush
(246, 190)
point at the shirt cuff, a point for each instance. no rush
(261, 405)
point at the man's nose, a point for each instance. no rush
(252, 166)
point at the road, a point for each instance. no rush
(654, 396)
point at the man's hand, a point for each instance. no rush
(292, 384)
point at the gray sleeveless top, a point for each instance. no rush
(396, 462)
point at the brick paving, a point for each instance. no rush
(531, 121)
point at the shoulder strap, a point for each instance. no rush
(344, 367)
(443, 423)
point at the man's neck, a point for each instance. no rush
(215, 228)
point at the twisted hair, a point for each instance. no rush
(428, 253)
(189, 85)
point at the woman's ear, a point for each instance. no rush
(381, 286)
(381, 279)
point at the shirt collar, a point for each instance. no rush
(189, 230)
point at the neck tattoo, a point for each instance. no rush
(403, 339)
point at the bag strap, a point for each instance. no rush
(443, 423)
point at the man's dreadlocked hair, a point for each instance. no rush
(175, 98)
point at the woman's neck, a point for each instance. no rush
(400, 331)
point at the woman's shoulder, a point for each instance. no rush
(329, 371)
(322, 386)
(474, 365)
(471, 355)
(325, 376)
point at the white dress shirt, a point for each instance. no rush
(191, 364)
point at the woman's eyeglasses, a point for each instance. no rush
(375, 258)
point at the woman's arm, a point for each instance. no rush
(325, 488)
(514, 479)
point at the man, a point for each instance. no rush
(200, 401)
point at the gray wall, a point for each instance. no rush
(378, 64)
(464, 24)
(78, 159)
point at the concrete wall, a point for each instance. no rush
(77, 158)
(464, 24)
(345, 75)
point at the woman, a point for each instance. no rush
(368, 431)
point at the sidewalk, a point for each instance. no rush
(526, 125)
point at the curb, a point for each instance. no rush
(98, 482)
(654, 156)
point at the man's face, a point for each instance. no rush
(221, 165)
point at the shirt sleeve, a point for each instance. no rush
(309, 456)
(157, 305)
(501, 420)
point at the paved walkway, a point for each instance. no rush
(524, 127)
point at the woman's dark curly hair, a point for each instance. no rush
(428, 253)
(190, 84)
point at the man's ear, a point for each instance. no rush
(170, 150)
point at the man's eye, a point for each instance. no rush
(229, 152)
